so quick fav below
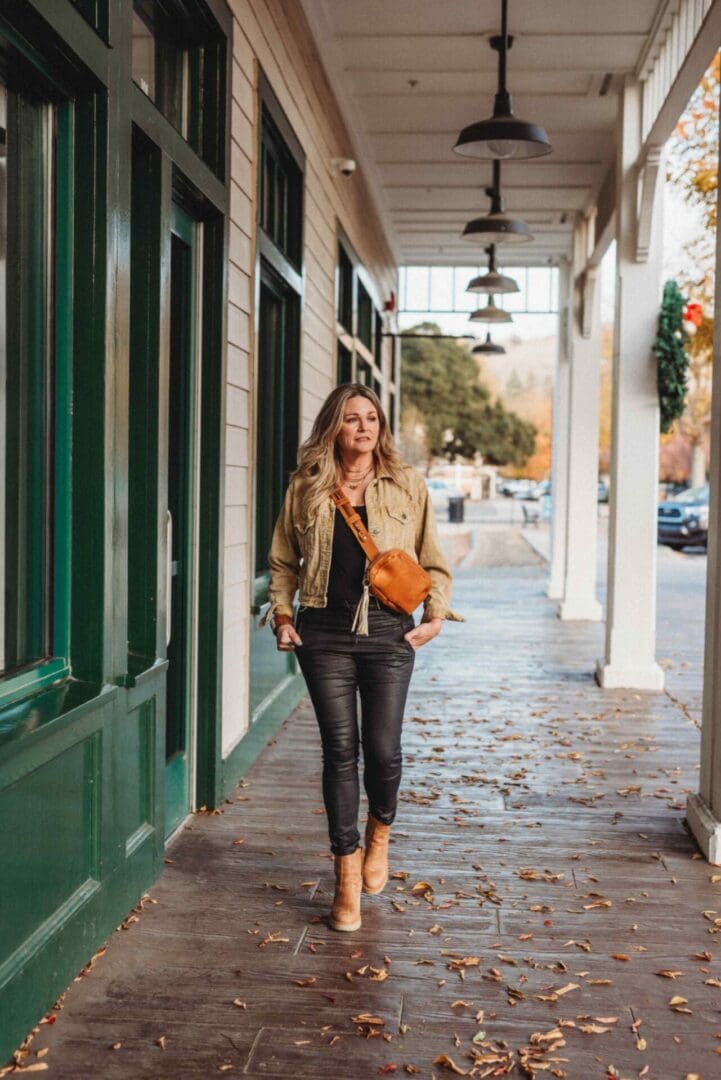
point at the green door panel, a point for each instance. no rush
(57, 843)
(135, 743)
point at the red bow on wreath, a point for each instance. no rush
(693, 313)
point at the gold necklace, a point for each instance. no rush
(359, 481)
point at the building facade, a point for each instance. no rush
(185, 273)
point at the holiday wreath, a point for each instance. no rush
(672, 361)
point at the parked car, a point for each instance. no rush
(509, 487)
(670, 489)
(528, 490)
(683, 521)
(524, 489)
(440, 492)
(543, 487)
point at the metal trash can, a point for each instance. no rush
(455, 508)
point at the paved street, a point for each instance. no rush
(547, 907)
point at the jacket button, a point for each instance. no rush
(403, 515)
(375, 530)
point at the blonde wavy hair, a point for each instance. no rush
(319, 458)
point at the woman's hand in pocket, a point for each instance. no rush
(286, 635)
(288, 638)
(423, 633)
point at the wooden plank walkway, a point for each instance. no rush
(548, 914)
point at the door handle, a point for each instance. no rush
(168, 576)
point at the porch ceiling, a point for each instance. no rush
(409, 74)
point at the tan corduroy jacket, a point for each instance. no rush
(398, 516)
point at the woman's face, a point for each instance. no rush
(360, 428)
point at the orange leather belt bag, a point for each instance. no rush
(396, 579)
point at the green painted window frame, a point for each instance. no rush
(279, 264)
(365, 316)
(280, 191)
(359, 324)
(40, 674)
(94, 12)
(344, 289)
(344, 369)
(278, 413)
(190, 73)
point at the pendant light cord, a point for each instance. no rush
(503, 49)
(496, 196)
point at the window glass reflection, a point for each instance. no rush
(143, 56)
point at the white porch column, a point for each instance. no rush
(559, 436)
(579, 591)
(629, 659)
(703, 812)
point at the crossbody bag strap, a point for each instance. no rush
(355, 523)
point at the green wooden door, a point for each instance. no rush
(182, 376)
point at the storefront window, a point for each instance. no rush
(280, 218)
(143, 56)
(344, 311)
(96, 13)
(365, 318)
(178, 61)
(281, 193)
(27, 155)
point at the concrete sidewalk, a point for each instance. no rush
(547, 906)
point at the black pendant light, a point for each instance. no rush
(491, 314)
(497, 227)
(503, 135)
(493, 282)
(488, 346)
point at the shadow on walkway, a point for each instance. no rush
(547, 906)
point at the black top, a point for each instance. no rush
(345, 583)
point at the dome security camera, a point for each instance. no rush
(345, 166)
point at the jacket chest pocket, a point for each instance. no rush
(304, 536)
(400, 525)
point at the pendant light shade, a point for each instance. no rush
(503, 135)
(488, 346)
(493, 282)
(497, 227)
(491, 314)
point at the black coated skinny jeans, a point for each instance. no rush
(337, 665)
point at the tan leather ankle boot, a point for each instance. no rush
(345, 913)
(375, 863)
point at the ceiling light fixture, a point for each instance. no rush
(503, 135)
(497, 227)
(491, 314)
(493, 282)
(488, 346)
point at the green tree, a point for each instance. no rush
(441, 380)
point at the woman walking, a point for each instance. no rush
(347, 641)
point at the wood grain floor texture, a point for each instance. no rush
(548, 915)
